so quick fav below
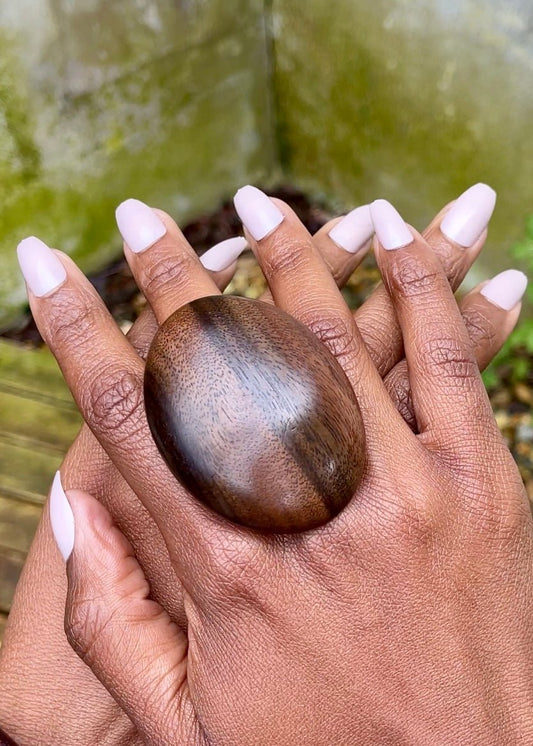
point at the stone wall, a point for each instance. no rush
(164, 100)
(412, 101)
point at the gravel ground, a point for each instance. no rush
(512, 402)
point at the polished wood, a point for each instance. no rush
(253, 414)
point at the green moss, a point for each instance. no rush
(412, 102)
(180, 132)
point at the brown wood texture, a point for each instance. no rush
(38, 421)
(3, 622)
(255, 417)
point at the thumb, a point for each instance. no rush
(127, 639)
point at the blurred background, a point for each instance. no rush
(180, 102)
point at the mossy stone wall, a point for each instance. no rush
(164, 100)
(412, 101)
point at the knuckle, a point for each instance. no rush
(115, 399)
(399, 389)
(415, 525)
(450, 359)
(72, 321)
(286, 256)
(242, 567)
(413, 278)
(168, 271)
(337, 333)
(481, 329)
(84, 627)
(451, 258)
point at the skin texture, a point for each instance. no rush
(36, 707)
(301, 449)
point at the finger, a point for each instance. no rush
(448, 396)
(456, 236)
(290, 261)
(490, 313)
(344, 242)
(105, 377)
(88, 465)
(165, 266)
(126, 638)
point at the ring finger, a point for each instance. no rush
(164, 264)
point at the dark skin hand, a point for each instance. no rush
(246, 573)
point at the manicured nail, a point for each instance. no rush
(354, 230)
(506, 289)
(257, 212)
(42, 269)
(138, 224)
(222, 254)
(61, 518)
(468, 217)
(391, 230)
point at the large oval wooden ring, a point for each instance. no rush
(253, 415)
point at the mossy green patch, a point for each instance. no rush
(180, 130)
(410, 101)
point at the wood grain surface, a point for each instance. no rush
(38, 421)
(253, 415)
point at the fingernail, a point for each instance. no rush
(258, 213)
(506, 289)
(61, 518)
(42, 269)
(468, 217)
(138, 224)
(389, 225)
(354, 230)
(223, 254)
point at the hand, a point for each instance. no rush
(360, 531)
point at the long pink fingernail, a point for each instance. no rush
(41, 267)
(61, 518)
(391, 230)
(223, 254)
(138, 224)
(468, 217)
(354, 230)
(258, 213)
(506, 289)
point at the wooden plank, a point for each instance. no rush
(38, 420)
(11, 563)
(27, 468)
(18, 523)
(32, 371)
(3, 622)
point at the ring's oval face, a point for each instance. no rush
(253, 414)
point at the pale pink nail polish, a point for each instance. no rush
(41, 267)
(468, 217)
(354, 230)
(138, 224)
(61, 518)
(258, 213)
(223, 254)
(505, 289)
(391, 230)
